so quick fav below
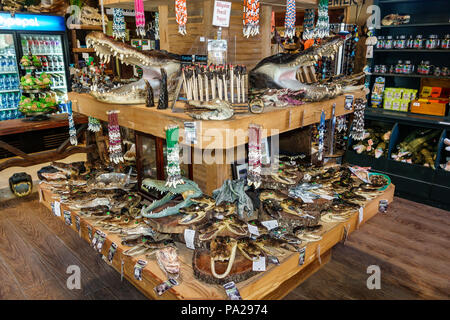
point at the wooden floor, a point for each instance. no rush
(410, 245)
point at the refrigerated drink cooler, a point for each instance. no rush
(44, 36)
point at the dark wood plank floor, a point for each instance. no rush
(410, 245)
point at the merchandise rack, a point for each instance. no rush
(275, 283)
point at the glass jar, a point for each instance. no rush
(444, 72)
(401, 42)
(432, 42)
(426, 67)
(388, 43)
(407, 68)
(399, 67)
(383, 69)
(418, 42)
(437, 72)
(376, 69)
(391, 69)
(410, 42)
(445, 42)
(380, 42)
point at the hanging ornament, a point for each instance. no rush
(118, 24)
(251, 18)
(308, 24)
(254, 155)
(181, 15)
(342, 123)
(322, 29)
(72, 131)
(173, 157)
(115, 141)
(357, 131)
(289, 20)
(156, 25)
(272, 22)
(93, 124)
(321, 135)
(140, 17)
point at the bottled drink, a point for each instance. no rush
(24, 42)
(13, 64)
(2, 64)
(44, 63)
(60, 63)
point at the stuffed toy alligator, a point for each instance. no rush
(188, 190)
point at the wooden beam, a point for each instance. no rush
(164, 27)
(13, 150)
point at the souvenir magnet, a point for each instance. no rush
(301, 258)
(112, 252)
(138, 269)
(67, 218)
(166, 285)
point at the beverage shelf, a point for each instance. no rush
(8, 72)
(8, 109)
(57, 72)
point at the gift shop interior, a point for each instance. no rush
(224, 150)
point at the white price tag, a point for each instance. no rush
(306, 199)
(57, 208)
(360, 215)
(253, 229)
(85, 55)
(369, 52)
(189, 238)
(270, 224)
(260, 264)
(190, 132)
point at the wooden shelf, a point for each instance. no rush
(407, 75)
(211, 134)
(407, 117)
(414, 50)
(275, 283)
(81, 50)
(85, 27)
(431, 24)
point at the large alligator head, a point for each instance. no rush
(150, 62)
(279, 71)
(188, 190)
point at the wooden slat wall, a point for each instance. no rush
(240, 50)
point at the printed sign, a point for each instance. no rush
(31, 22)
(221, 14)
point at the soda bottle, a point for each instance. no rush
(44, 63)
(24, 42)
(13, 64)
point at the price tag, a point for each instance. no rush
(253, 229)
(189, 238)
(369, 52)
(273, 260)
(260, 264)
(57, 208)
(85, 55)
(270, 224)
(138, 269)
(166, 285)
(360, 215)
(382, 206)
(112, 252)
(89, 232)
(301, 258)
(348, 104)
(67, 218)
(101, 241)
(190, 132)
(232, 291)
(78, 224)
(95, 240)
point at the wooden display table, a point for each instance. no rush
(17, 126)
(275, 283)
(221, 136)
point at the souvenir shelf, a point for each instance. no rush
(211, 134)
(76, 51)
(416, 182)
(275, 283)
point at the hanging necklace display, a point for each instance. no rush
(308, 24)
(357, 131)
(289, 20)
(181, 15)
(173, 157)
(156, 25)
(322, 29)
(321, 135)
(72, 131)
(93, 124)
(115, 141)
(251, 18)
(139, 17)
(118, 24)
(254, 155)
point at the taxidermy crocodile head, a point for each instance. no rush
(150, 62)
(279, 71)
(188, 190)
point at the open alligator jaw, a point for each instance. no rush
(150, 62)
(222, 249)
(279, 71)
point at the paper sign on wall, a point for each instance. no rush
(221, 14)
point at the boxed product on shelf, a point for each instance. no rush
(433, 106)
(398, 99)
